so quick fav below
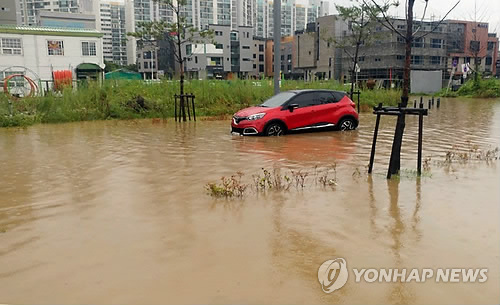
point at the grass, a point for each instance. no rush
(484, 88)
(136, 99)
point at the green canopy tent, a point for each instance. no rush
(88, 71)
(123, 74)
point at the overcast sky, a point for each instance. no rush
(487, 10)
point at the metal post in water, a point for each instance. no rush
(439, 102)
(430, 104)
(277, 44)
(415, 104)
(420, 135)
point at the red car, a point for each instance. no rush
(297, 110)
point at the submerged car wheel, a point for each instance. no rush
(275, 130)
(347, 124)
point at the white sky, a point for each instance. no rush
(487, 10)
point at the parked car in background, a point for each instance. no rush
(297, 110)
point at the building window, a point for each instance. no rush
(10, 46)
(261, 48)
(491, 45)
(254, 66)
(400, 57)
(88, 48)
(361, 59)
(377, 59)
(418, 43)
(475, 45)
(219, 46)
(436, 43)
(261, 57)
(218, 33)
(489, 61)
(417, 60)
(435, 60)
(261, 68)
(55, 47)
(189, 49)
(246, 47)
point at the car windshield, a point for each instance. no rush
(278, 99)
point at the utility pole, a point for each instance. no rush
(277, 44)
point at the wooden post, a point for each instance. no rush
(420, 135)
(415, 104)
(194, 109)
(430, 104)
(187, 102)
(359, 104)
(439, 102)
(374, 144)
(175, 107)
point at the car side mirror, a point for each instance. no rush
(292, 107)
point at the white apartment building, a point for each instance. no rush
(44, 50)
(113, 27)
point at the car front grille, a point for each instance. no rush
(237, 119)
(237, 130)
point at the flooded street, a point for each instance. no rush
(116, 212)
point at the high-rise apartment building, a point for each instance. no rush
(112, 25)
(30, 9)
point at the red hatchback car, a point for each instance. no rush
(297, 110)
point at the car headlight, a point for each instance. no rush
(256, 116)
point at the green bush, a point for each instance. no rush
(483, 88)
(136, 99)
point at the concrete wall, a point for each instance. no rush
(9, 12)
(67, 20)
(426, 81)
(246, 54)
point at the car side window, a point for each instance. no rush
(305, 100)
(339, 95)
(326, 98)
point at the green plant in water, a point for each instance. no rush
(228, 188)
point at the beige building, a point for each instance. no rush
(315, 47)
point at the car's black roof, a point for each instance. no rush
(315, 90)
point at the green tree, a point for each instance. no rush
(110, 66)
(180, 32)
(412, 33)
(363, 20)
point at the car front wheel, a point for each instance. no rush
(347, 124)
(275, 130)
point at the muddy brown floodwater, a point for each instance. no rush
(116, 213)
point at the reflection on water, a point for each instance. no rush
(115, 212)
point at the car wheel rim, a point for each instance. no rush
(346, 125)
(275, 130)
